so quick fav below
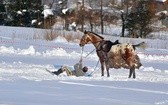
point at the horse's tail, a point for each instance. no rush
(140, 45)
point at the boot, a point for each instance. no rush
(58, 72)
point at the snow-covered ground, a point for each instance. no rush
(24, 81)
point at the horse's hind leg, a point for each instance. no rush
(134, 76)
(132, 71)
(108, 74)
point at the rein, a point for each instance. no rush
(90, 53)
(87, 56)
(82, 53)
(95, 49)
(94, 69)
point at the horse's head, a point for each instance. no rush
(85, 39)
(90, 37)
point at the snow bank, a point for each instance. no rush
(54, 52)
(60, 39)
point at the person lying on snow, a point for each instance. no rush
(78, 70)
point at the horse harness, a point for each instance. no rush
(104, 47)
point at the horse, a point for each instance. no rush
(113, 54)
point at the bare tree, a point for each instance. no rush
(102, 24)
(124, 17)
(124, 14)
(51, 4)
(83, 7)
(90, 18)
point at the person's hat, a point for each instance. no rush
(85, 69)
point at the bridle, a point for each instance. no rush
(98, 47)
(98, 43)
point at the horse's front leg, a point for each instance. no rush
(101, 58)
(105, 61)
(134, 75)
(107, 68)
(102, 68)
(108, 74)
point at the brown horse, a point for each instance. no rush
(113, 54)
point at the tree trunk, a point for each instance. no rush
(123, 25)
(83, 8)
(102, 24)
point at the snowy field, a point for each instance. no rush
(24, 81)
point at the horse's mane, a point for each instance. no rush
(96, 34)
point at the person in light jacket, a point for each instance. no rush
(79, 70)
